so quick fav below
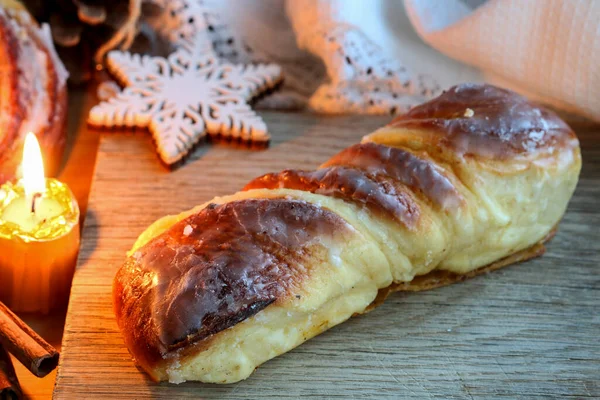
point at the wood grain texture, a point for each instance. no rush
(526, 331)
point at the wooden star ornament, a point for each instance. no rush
(184, 97)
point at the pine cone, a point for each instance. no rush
(85, 30)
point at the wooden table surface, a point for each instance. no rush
(529, 330)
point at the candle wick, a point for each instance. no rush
(35, 197)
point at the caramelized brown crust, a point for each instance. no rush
(487, 121)
(374, 191)
(418, 173)
(20, 91)
(216, 268)
(379, 177)
(12, 110)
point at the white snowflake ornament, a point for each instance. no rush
(185, 96)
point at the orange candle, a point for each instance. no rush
(39, 237)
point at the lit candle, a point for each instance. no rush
(39, 237)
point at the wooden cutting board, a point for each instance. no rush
(528, 330)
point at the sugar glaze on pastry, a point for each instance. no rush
(473, 180)
(33, 83)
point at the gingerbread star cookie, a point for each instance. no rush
(184, 97)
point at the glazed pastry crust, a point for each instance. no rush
(439, 195)
(34, 90)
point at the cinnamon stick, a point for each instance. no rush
(9, 384)
(26, 345)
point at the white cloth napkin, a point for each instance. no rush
(547, 49)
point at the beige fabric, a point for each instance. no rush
(547, 49)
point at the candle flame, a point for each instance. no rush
(33, 167)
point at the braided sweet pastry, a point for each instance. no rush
(473, 180)
(33, 90)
